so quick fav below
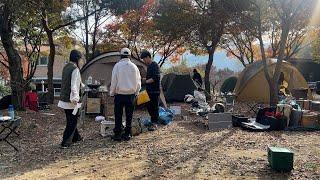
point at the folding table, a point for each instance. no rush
(11, 126)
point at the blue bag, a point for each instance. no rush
(165, 116)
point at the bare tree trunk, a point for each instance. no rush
(94, 35)
(277, 72)
(15, 67)
(207, 71)
(52, 54)
(87, 40)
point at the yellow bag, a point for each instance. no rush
(143, 98)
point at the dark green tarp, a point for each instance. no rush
(176, 86)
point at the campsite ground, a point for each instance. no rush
(182, 150)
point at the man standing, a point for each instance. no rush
(197, 77)
(125, 85)
(152, 82)
(70, 97)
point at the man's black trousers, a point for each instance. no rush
(71, 133)
(120, 102)
(153, 107)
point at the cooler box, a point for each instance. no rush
(280, 159)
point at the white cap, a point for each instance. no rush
(125, 52)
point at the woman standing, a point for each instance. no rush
(69, 97)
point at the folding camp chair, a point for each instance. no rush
(11, 126)
(254, 107)
(42, 101)
(229, 103)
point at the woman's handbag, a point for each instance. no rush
(143, 97)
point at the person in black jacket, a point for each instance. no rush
(197, 77)
(152, 82)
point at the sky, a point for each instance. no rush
(220, 60)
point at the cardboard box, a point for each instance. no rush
(218, 121)
(310, 119)
(280, 159)
(315, 106)
(93, 105)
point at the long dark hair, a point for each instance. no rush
(75, 56)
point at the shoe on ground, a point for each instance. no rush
(153, 127)
(79, 140)
(126, 137)
(116, 138)
(64, 146)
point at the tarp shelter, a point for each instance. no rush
(100, 68)
(176, 86)
(252, 85)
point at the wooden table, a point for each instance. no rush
(97, 104)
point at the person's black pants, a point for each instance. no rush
(71, 133)
(120, 102)
(153, 107)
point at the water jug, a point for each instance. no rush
(11, 111)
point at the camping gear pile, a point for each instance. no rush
(139, 125)
(199, 105)
(294, 111)
(289, 114)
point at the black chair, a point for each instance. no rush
(42, 101)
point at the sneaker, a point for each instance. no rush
(79, 140)
(126, 137)
(116, 137)
(64, 146)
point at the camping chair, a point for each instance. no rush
(11, 126)
(230, 101)
(254, 107)
(42, 101)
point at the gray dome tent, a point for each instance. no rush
(175, 86)
(100, 68)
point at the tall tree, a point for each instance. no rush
(17, 22)
(287, 13)
(55, 17)
(147, 28)
(212, 18)
(7, 19)
(89, 31)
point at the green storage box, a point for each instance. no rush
(280, 159)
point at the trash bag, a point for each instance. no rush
(188, 98)
(146, 122)
(200, 97)
(165, 116)
(195, 104)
